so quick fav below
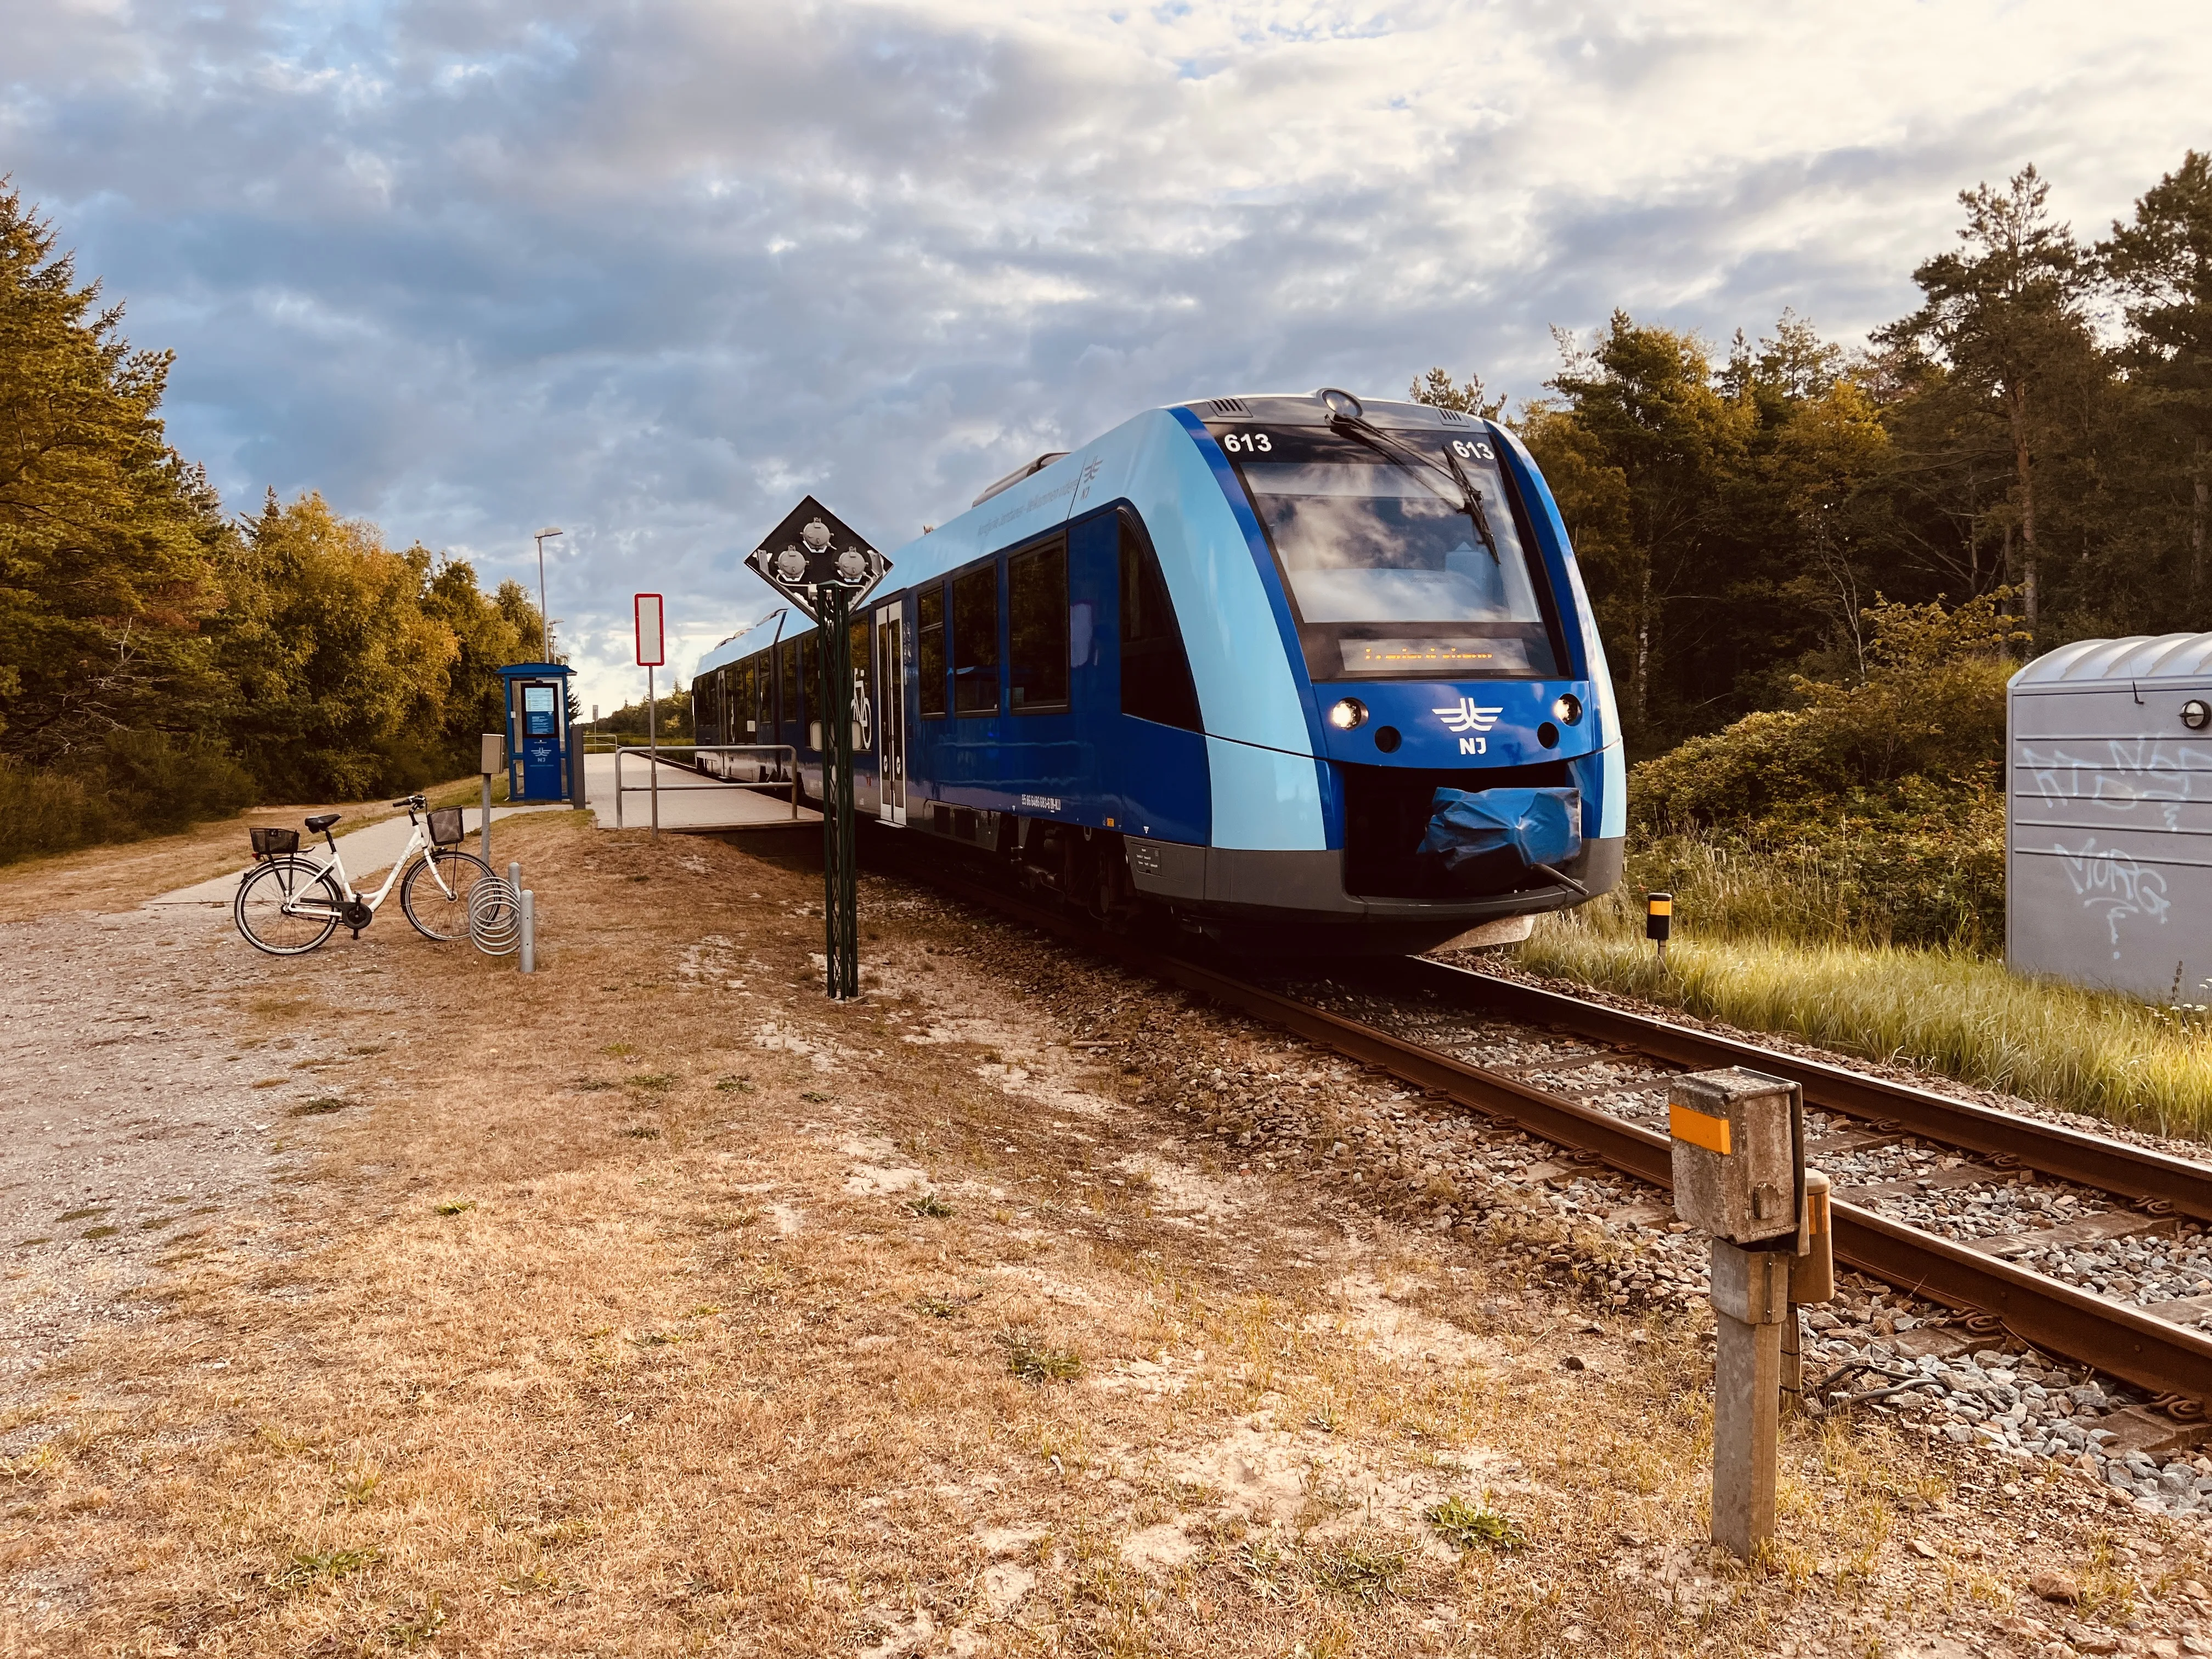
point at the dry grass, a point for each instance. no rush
(1951, 1011)
(505, 1380)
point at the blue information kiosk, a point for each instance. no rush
(543, 763)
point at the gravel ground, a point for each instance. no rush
(158, 1088)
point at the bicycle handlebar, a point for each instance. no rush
(416, 803)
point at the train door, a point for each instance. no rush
(867, 767)
(891, 714)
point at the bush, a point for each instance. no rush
(1870, 813)
(156, 784)
(136, 783)
(1874, 877)
(43, 812)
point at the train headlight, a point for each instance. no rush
(1568, 710)
(1347, 714)
(1339, 403)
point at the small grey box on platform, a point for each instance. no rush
(1738, 1138)
(493, 757)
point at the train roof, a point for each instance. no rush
(1046, 492)
(1032, 499)
(747, 640)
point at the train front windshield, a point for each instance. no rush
(1403, 553)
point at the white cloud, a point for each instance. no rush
(651, 271)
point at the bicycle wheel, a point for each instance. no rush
(436, 893)
(286, 906)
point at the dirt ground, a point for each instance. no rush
(655, 1305)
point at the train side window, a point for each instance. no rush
(787, 707)
(929, 644)
(975, 641)
(1036, 629)
(1156, 683)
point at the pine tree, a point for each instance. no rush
(2161, 263)
(107, 538)
(2005, 313)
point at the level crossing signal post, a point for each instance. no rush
(840, 854)
(823, 568)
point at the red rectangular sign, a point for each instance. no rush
(652, 645)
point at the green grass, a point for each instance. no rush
(1952, 1010)
(1035, 1363)
(1366, 1572)
(1465, 1524)
(307, 1567)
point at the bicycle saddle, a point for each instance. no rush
(321, 822)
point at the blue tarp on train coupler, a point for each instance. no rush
(1543, 826)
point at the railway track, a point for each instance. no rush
(2110, 1190)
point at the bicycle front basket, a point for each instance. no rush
(446, 828)
(268, 842)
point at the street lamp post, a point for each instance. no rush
(544, 616)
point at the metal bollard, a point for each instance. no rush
(529, 932)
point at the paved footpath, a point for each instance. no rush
(367, 853)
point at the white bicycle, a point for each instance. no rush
(289, 903)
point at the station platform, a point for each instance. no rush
(689, 802)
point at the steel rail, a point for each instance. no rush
(2110, 1337)
(2132, 1172)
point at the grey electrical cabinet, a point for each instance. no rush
(2108, 816)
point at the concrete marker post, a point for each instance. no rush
(528, 904)
(1751, 1299)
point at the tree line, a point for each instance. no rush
(162, 661)
(2033, 434)
(2035, 431)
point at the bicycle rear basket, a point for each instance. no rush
(446, 827)
(269, 841)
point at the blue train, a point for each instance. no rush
(1311, 672)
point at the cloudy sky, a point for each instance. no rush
(650, 271)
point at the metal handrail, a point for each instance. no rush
(785, 749)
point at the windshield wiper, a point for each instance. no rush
(1470, 498)
(1475, 510)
